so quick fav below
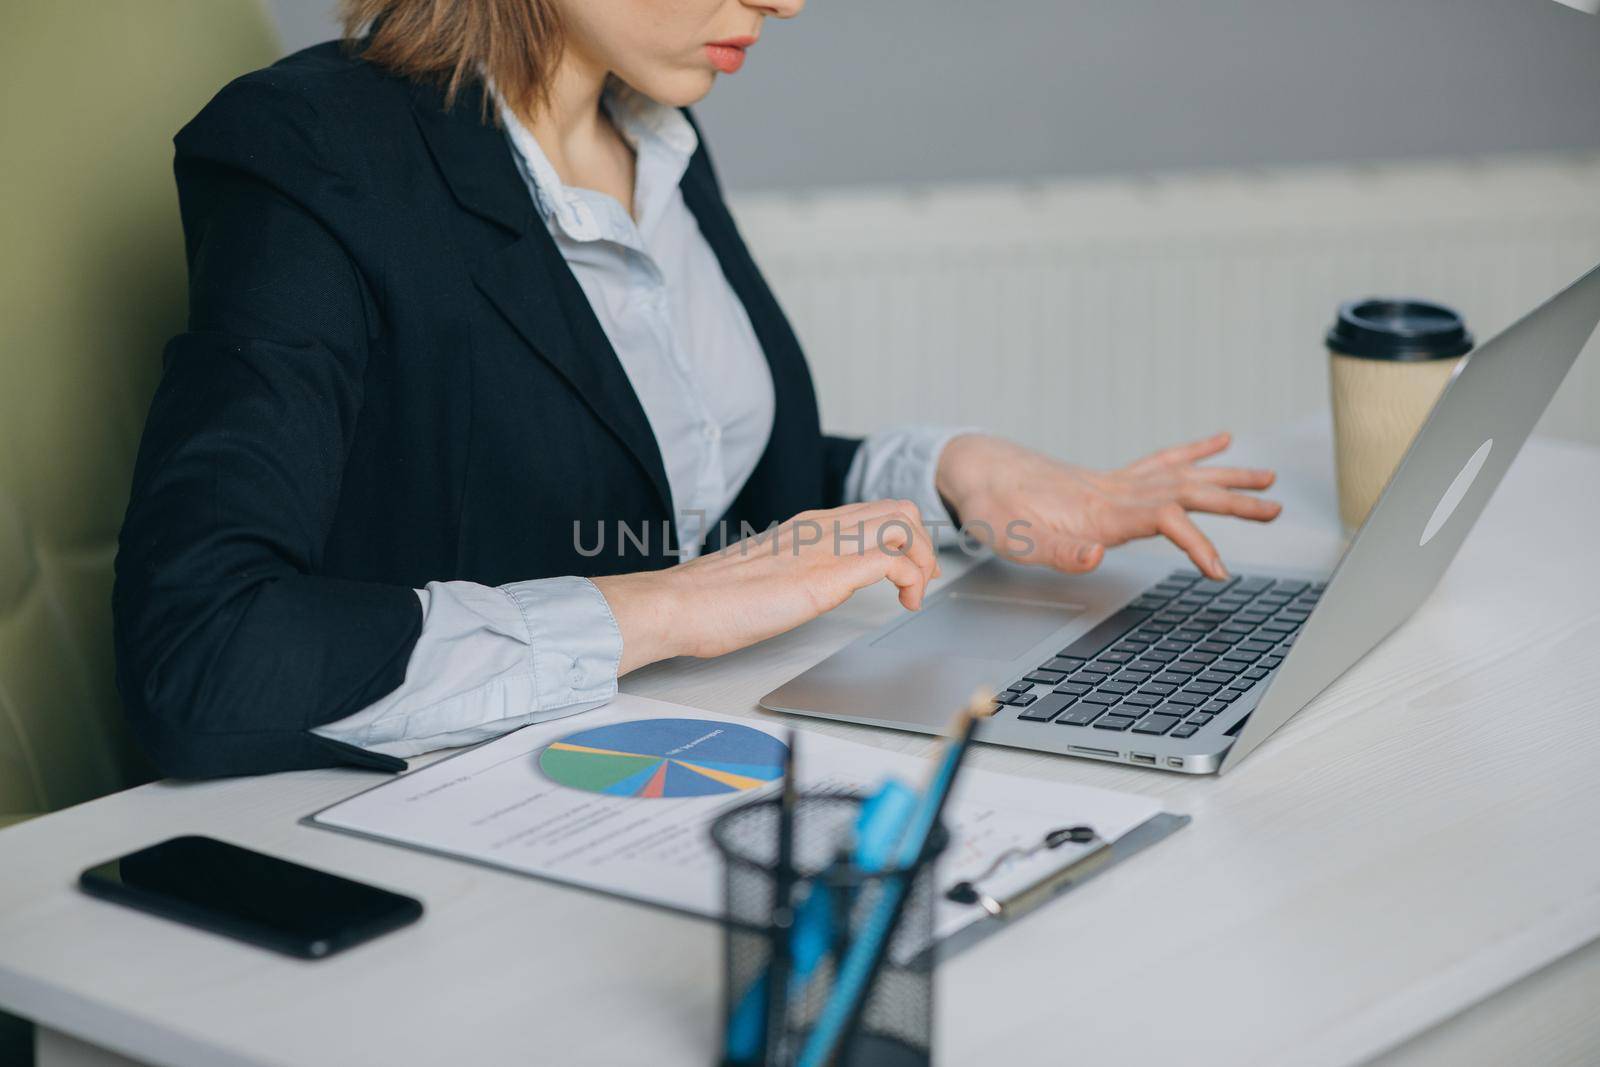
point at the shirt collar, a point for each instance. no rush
(662, 140)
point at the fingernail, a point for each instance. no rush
(1216, 562)
(1085, 553)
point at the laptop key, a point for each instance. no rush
(1049, 707)
(1183, 668)
(1187, 699)
(1255, 673)
(1100, 698)
(1114, 686)
(1157, 689)
(1105, 634)
(1253, 646)
(1214, 647)
(1022, 700)
(1270, 662)
(1186, 730)
(1142, 700)
(1253, 585)
(1216, 677)
(1156, 724)
(1213, 585)
(1114, 722)
(1046, 677)
(1082, 715)
(1073, 689)
(1090, 677)
(1229, 694)
(1062, 664)
(1203, 688)
(1214, 707)
(1287, 588)
(1117, 658)
(1200, 718)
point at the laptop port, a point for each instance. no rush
(1085, 750)
(1175, 761)
(1142, 757)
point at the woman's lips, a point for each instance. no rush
(728, 55)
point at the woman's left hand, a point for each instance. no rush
(1071, 515)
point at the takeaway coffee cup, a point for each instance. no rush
(1388, 360)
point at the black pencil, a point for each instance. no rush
(782, 914)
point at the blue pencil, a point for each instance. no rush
(842, 1013)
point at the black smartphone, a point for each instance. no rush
(246, 895)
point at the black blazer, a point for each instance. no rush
(390, 377)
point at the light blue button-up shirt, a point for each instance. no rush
(489, 660)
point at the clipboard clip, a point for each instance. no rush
(968, 891)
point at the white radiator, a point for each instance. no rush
(1101, 319)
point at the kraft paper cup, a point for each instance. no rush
(1388, 361)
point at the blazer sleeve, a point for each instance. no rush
(838, 453)
(230, 644)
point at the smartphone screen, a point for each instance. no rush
(246, 895)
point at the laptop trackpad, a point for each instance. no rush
(978, 627)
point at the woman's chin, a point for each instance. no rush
(679, 88)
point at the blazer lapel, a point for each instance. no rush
(526, 278)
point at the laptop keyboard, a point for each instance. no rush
(1171, 661)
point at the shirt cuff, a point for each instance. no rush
(575, 644)
(901, 464)
(490, 660)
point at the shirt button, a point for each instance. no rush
(575, 677)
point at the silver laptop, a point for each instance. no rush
(1139, 665)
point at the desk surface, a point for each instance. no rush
(1421, 837)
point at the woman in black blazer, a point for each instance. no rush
(392, 377)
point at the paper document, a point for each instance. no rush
(621, 799)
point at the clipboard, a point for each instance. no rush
(1091, 864)
(499, 805)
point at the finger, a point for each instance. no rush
(1177, 455)
(900, 530)
(1175, 524)
(911, 579)
(1236, 477)
(1074, 556)
(1198, 496)
(920, 547)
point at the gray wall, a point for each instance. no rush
(933, 90)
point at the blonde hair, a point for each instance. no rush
(513, 43)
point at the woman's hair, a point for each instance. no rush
(513, 43)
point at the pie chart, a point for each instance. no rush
(657, 758)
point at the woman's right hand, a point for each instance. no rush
(770, 583)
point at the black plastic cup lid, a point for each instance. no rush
(1402, 330)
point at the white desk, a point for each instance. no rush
(1422, 837)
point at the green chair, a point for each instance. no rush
(92, 284)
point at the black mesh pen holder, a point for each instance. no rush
(780, 969)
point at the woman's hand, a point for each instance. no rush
(771, 583)
(1072, 514)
